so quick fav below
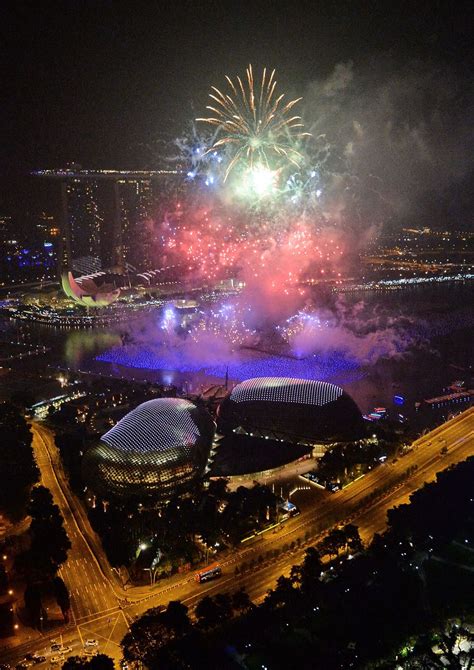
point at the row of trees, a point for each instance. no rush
(367, 611)
(17, 463)
(160, 636)
(217, 516)
(49, 542)
(39, 564)
(344, 461)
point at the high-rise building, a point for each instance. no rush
(137, 227)
(85, 222)
(110, 227)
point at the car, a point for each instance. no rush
(90, 642)
(22, 665)
(90, 651)
(65, 650)
(55, 647)
(35, 658)
(56, 660)
(5, 666)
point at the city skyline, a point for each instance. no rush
(236, 351)
(119, 99)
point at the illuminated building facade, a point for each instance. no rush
(136, 212)
(293, 410)
(159, 450)
(103, 226)
(85, 222)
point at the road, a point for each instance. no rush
(96, 596)
(91, 591)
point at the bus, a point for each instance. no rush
(211, 572)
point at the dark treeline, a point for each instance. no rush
(38, 565)
(358, 614)
(17, 464)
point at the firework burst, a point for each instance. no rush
(254, 125)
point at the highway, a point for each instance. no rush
(102, 609)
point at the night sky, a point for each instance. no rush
(103, 83)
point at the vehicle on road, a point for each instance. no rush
(65, 650)
(56, 660)
(55, 646)
(211, 572)
(35, 658)
(90, 642)
(22, 665)
(5, 666)
(91, 651)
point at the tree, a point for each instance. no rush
(62, 596)
(308, 573)
(49, 540)
(99, 662)
(454, 644)
(71, 448)
(283, 595)
(33, 603)
(147, 636)
(333, 542)
(76, 663)
(333, 463)
(208, 612)
(41, 503)
(17, 463)
(176, 617)
(353, 540)
(241, 601)
(155, 630)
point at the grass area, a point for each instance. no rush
(450, 589)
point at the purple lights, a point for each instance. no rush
(241, 365)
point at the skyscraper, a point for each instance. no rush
(137, 227)
(109, 227)
(85, 224)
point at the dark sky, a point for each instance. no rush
(102, 82)
(98, 81)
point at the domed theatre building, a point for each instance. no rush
(158, 450)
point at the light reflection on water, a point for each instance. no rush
(446, 313)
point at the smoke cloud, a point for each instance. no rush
(396, 141)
